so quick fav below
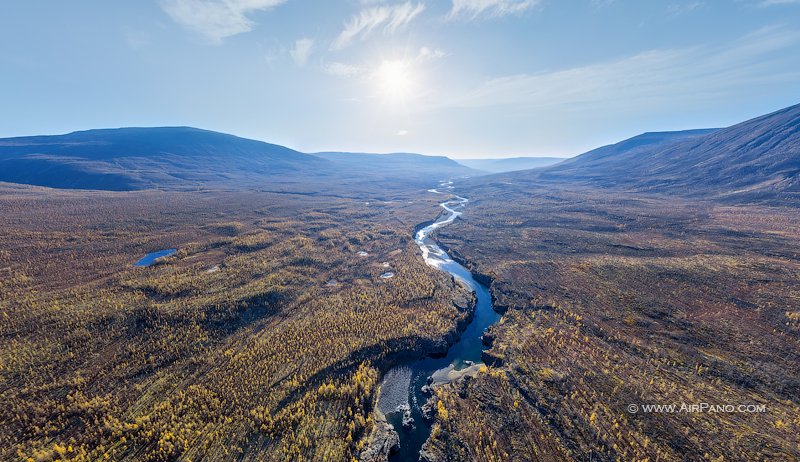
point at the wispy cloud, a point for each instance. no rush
(388, 18)
(343, 70)
(778, 2)
(671, 74)
(137, 39)
(216, 19)
(474, 9)
(429, 54)
(347, 70)
(677, 9)
(301, 51)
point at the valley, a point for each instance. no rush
(400, 231)
(259, 359)
(345, 311)
(612, 301)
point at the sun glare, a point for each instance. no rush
(395, 80)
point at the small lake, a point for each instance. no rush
(151, 257)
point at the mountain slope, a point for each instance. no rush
(185, 158)
(137, 158)
(510, 164)
(397, 163)
(755, 160)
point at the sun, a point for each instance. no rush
(395, 80)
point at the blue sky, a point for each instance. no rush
(465, 78)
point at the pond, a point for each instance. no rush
(151, 257)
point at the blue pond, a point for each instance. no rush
(151, 257)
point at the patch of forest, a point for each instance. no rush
(236, 347)
(616, 300)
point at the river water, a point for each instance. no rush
(402, 386)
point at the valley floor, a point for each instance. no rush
(262, 338)
(616, 302)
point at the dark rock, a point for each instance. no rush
(383, 442)
(461, 386)
(492, 359)
(429, 409)
(464, 301)
(408, 421)
(488, 338)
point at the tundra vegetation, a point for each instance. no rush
(236, 347)
(615, 299)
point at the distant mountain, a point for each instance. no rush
(510, 164)
(138, 158)
(629, 150)
(397, 163)
(755, 160)
(185, 158)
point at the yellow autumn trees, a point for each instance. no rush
(235, 347)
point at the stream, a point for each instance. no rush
(401, 388)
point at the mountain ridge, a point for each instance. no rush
(509, 164)
(181, 157)
(758, 159)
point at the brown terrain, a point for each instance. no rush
(662, 270)
(261, 339)
(616, 299)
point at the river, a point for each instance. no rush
(402, 386)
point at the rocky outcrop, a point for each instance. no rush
(445, 448)
(408, 420)
(383, 441)
(492, 358)
(464, 301)
(429, 408)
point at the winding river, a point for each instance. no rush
(402, 386)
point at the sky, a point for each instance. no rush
(463, 78)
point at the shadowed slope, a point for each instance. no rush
(138, 158)
(755, 160)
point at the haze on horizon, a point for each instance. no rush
(464, 78)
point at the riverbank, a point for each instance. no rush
(409, 418)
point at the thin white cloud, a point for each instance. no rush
(301, 51)
(388, 18)
(656, 75)
(677, 9)
(137, 39)
(346, 70)
(428, 54)
(343, 70)
(216, 19)
(474, 9)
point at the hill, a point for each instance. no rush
(510, 164)
(627, 150)
(662, 269)
(755, 160)
(185, 158)
(140, 158)
(394, 164)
